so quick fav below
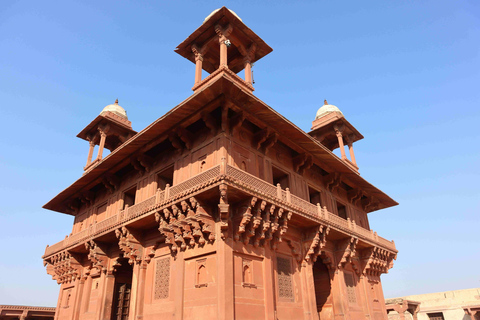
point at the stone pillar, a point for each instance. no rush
(338, 132)
(224, 242)
(350, 148)
(108, 299)
(178, 283)
(337, 294)
(86, 295)
(103, 137)
(269, 277)
(141, 290)
(78, 299)
(309, 298)
(248, 71)
(223, 51)
(90, 152)
(198, 63)
(223, 40)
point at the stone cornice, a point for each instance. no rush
(237, 179)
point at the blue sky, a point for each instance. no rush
(405, 73)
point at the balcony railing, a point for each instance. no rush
(238, 177)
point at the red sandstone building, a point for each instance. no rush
(221, 208)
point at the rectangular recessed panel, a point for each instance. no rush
(284, 270)
(162, 278)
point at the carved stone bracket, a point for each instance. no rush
(332, 181)
(224, 209)
(296, 250)
(130, 246)
(185, 225)
(111, 182)
(370, 204)
(374, 261)
(346, 251)
(257, 222)
(63, 267)
(318, 243)
(355, 196)
(96, 256)
(302, 162)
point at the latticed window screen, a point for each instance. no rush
(284, 270)
(352, 298)
(162, 278)
(435, 316)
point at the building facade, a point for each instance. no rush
(9, 312)
(221, 208)
(448, 305)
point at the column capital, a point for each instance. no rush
(339, 129)
(223, 33)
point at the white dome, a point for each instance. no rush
(326, 109)
(214, 11)
(115, 108)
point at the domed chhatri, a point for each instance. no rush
(215, 11)
(326, 109)
(116, 109)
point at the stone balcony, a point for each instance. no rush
(237, 179)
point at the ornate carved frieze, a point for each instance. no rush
(63, 267)
(258, 222)
(185, 225)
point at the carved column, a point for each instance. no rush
(198, 63)
(350, 148)
(338, 132)
(249, 57)
(90, 152)
(103, 137)
(223, 33)
(141, 290)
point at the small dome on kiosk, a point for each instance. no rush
(215, 11)
(326, 109)
(116, 109)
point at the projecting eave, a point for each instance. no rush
(188, 111)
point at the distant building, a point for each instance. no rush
(449, 305)
(221, 208)
(26, 313)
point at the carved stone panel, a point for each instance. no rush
(285, 284)
(162, 278)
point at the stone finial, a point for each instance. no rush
(325, 102)
(116, 101)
